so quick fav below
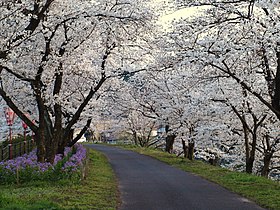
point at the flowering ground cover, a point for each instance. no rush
(26, 168)
(97, 191)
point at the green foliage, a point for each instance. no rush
(263, 191)
(98, 191)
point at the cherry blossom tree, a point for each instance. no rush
(215, 85)
(238, 41)
(57, 56)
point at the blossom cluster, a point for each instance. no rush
(27, 165)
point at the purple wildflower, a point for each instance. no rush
(30, 161)
(76, 160)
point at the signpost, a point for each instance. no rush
(10, 117)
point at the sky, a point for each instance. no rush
(182, 13)
(171, 15)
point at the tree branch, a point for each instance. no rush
(74, 141)
(19, 113)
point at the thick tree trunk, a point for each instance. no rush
(214, 161)
(42, 136)
(39, 140)
(169, 143)
(250, 159)
(53, 146)
(249, 164)
(190, 150)
(266, 163)
(64, 142)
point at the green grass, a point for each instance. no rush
(263, 191)
(98, 191)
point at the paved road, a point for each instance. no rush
(148, 184)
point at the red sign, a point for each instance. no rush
(10, 116)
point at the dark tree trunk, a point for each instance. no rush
(39, 140)
(52, 142)
(250, 158)
(276, 97)
(268, 154)
(64, 142)
(185, 148)
(249, 164)
(135, 138)
(141, 141)
(266, 162)
(169, 140)
(169, 143)
(214, 161)
(41, 136)
(190, 150)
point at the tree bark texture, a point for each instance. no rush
(185, 148)
(169, 143)
(190, 150)
(266, 161)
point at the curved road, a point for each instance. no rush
(148, 184)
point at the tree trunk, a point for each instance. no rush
(169, 143)
(53, 146)
(141, 142)
(250, 155)
(39, 140)
(266, 163)
(134, 136)
(64, 142)
(214, 161)
(249, 164)
(276, 97)
(185, 148)
(249, 161)
(191, 150)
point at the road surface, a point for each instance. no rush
(148, 184)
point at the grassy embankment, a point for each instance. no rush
(98, 191)
(258, 189)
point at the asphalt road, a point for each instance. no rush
(148, 184)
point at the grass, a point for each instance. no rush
(263, 191)
(98, 191)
